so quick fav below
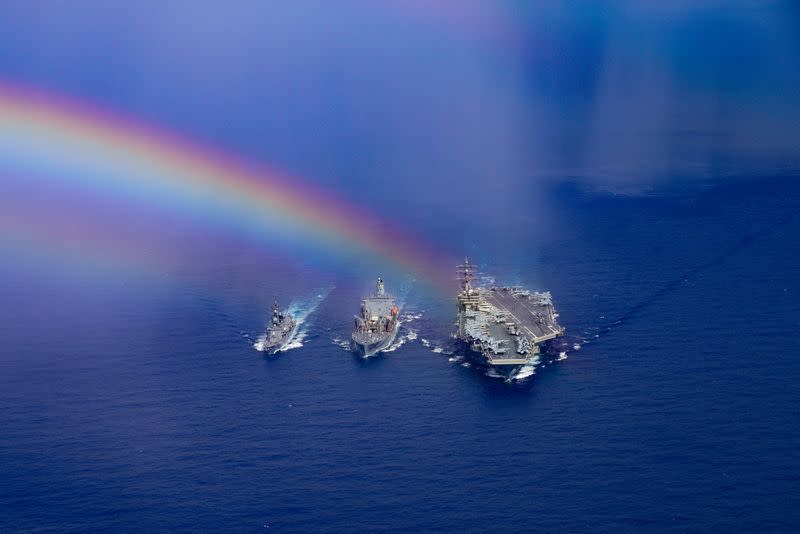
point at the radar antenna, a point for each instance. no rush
(466, 273)
(276, 312)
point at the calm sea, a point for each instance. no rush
(139, 407)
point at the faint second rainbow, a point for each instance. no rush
(49, 135)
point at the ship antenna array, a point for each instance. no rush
(466, 273)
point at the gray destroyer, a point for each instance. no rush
(502, 328)
(377, 324)
(280, 330)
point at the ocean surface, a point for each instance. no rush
(137, 406)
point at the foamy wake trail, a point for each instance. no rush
(409, 317)
(259, 343)
(341, 343)
(300, 309)
(436, 349)
(296, 342)
(491, 372)
(404, 335)
(524, 372)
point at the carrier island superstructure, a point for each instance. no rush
(377, 324)
(503, 327)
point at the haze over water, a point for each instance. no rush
(638, 161)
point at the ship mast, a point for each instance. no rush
(466, 272)
(379, 289)
(276, 313)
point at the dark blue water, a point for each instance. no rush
(129, 406)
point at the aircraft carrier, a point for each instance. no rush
(280, 330)
(502, 328)
(377, 325)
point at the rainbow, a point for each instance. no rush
(51, 136)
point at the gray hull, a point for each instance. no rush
(503, 328)
(507, 372)
(279, 344)
(376, 325)
(366, 348)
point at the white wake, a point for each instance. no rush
(301, 310)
